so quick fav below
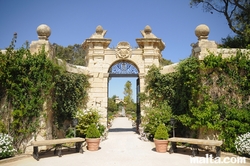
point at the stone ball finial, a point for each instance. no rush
(147, 29)
(99, 30)
(43, 32)
(202, 31)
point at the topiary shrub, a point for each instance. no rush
(161, 132)
(93, 132)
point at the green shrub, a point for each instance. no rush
(154, 116)
(93, 132)
(85, 119)
(161, 132)
(101, 128)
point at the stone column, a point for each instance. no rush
(95, 47)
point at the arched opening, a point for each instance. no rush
(120, 73)
(123, 69)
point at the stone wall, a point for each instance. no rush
(203, 47)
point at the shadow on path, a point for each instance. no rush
(122, 130)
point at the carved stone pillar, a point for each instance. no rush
(151, 46)
(95, 47)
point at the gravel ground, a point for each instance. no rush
(122, 148)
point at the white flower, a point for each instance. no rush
(6, 147)
(242, 143)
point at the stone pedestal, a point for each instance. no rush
(43, 32)
(203, 46)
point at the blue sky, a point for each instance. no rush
(73, 21)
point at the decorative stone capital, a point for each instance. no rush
(149, 40)
(203, 46)
(43, 32)
(99, 33)
(202, 31)
(97, 40)
(151, 43)
(147, 32)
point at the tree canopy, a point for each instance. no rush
(237, 14)
(128, 92)
(73, 54)
(130, 105)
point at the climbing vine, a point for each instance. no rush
(70, 94)
(159, 87)
(27, 81)
(212, 94)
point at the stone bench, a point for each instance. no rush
(194, 142)
(58, 142)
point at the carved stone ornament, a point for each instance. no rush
(123, 50)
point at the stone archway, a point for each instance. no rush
(100, 59)
(124, 68)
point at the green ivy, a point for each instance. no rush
(158, 94)
(26, 82)
(70, 94)
(212, 94)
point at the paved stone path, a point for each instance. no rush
(122, 148)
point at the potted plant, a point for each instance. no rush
(93, 137)
(161, 138)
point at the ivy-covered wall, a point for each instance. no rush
(212, 94)
(27, 82)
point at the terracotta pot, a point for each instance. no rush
(161, 145)
(93, 143)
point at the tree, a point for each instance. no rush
(129, 103)
(236, 12)
(71, 54)
(112, 105)
(235, 42)
(165, 62)
(128, 92)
